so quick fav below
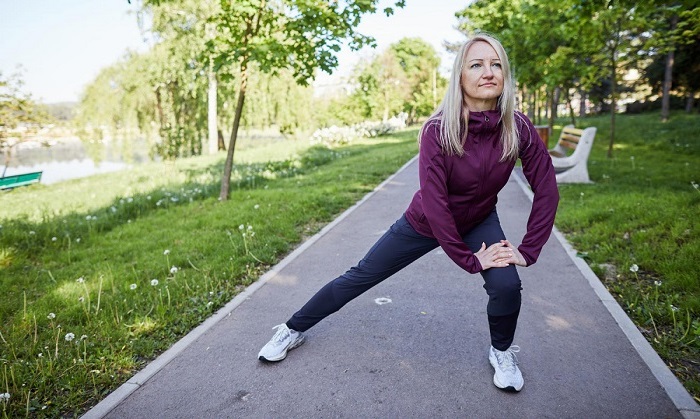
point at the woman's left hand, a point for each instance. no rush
(516, 258)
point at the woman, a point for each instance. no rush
(468, 149)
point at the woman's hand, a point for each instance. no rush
(499, 255)
(516, 257)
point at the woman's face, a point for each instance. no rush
(482, 77)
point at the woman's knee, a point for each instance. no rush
(503, 287)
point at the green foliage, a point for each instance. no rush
(140, 259)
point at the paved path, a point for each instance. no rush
(423, 355)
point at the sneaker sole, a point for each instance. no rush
(297, 343)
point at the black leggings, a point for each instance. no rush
(399, 247)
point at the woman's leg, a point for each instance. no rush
(502, 285)
(395, 250)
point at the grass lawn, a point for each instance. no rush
(100, 275)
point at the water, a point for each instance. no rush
(68, 159)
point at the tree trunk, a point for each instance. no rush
(690, 102)
(226, 179)
(582, 106)
(213, 143)
(613, 104)
(571, 107)
(668, 78)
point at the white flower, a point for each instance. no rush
(69, 337)
(4, 396)
(83, 337)
(129, 199)
(256, 206)
(166, 252)
(53, 239)
(241, 227)
(40, 355)
(674, 308)
(81, 299)
(77, 240)
(132, 286)
(88, 218)
(154, 282)
(31, 233)
(173, 270)
(657, 283)
(51, 316)
(80, 280)
(114, 209)
(634, 268)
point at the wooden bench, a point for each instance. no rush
(14, 181)
(570, 155)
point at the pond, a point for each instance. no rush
(68, 158)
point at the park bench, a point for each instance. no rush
(13, 181)
(570, 154)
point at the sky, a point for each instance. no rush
(61, 45)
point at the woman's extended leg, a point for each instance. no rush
(396, 249)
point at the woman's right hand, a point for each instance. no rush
(494, 256)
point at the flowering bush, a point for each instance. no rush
(335, 135)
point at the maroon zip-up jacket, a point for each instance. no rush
(457, 193)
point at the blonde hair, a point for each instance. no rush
(450, 111)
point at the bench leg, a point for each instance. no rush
(576, 174)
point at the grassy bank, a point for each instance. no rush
(638, 227)
(100, 275)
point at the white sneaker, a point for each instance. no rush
(283, 341)
(508, 376)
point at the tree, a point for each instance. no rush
(302, 36)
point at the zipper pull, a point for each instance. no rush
(486, 118)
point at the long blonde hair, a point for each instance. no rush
(450, 111)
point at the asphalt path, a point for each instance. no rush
(424, 354)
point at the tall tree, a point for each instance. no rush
(302, 36)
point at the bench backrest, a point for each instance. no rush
(9, 182)
(569, 141)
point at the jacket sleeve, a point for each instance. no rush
(433, 186)
(539, 172)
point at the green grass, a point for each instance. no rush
(643, 214)
(113, 231)
(100, 275)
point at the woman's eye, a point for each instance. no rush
(497, 65)
(475, 65)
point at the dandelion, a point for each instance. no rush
(133, 287)
(4, 396)
(114, 209)
(657, 283)
(241, 227)
(31, 233)
(173, 270)
(53, 239)
(70, 337)
(83, 337)
(80, 280)
(634, 268)
(51, 316)
(81, 299)
(154, 282)
(148, 197)
(129, 199)
(674, 308)
(41, 355)
(256, 206)
(166, 252)
(695, 185)
(77, 240)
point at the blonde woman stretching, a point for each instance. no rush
(468, 149)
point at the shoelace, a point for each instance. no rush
(507, 359)
(282, 333)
